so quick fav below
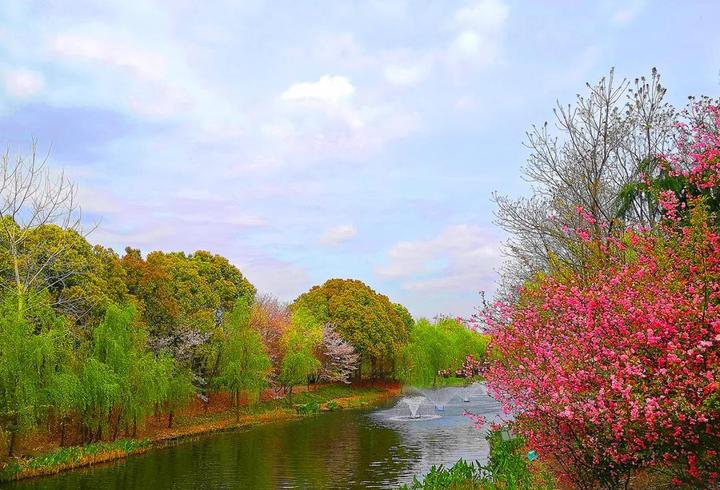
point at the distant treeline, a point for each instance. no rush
(93, 343)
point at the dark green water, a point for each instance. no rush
(344, 449)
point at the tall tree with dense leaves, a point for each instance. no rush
(363, 317)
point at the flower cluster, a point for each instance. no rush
(620, 371)
(618, 368)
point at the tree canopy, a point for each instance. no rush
(368, 320)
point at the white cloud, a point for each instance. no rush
(630, 11)
(462, 257)
(283, 279)
(338, 234)
(23, 82)
(404, 74)
(329, 88)
(480, 29)
(486, 16)
(123, 55)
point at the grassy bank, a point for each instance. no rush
(508, 468)
(193, 424)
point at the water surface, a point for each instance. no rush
(344, 449)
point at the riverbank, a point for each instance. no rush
(194, 422)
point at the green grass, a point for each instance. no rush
(70, 455)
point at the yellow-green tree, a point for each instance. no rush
(366, 319)
(244, 363)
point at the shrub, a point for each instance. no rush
(309, 408)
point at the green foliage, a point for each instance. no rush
(332, 405)
(310, 408)
(27, 363)
(508, 468)
(433, 347)
(299, 363)
(175, 291)
(404, 315)
(366, 319)
(121, 377)
(244, 364)
(460, 475)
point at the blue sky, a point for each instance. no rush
(310, 140)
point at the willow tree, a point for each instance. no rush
(438, 346)
(123, 381)
(245, 365)
(27, 363)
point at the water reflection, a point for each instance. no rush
(346, 449)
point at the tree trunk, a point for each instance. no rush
(62, 432)
(11, 444)
(170, 419)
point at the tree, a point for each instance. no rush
(65, 394)
(272, 319)
(183, 300)
(338, 358)
(180, 388)
(614, 368)
(438, 347)
(606, 143)
(83, 280)
(123, 382)
(27, 364)
(245, 365)
(298, 364)
(32, 197)
(363, 317)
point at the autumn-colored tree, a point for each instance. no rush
(363, 317)
(272, 319)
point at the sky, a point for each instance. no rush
(319, 139)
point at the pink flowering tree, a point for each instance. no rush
(617, 368)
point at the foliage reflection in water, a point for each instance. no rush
(345, 449)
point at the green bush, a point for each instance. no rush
(332, 405)
(309, 408)
(461, 475)
(508, 468)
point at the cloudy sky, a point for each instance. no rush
(310, 140)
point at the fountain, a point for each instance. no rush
(422, 404)
(440, 397)
(464, 393)
(411, 408)
(413, 404)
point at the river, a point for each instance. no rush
(343, 449)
